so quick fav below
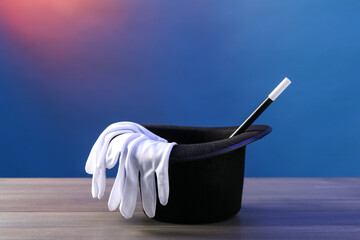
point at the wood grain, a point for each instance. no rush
(273, 208)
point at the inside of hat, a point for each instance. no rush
(191, 135)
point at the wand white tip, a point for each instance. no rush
(279, 89)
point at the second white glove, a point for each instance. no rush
(138, 151)
(137, 154)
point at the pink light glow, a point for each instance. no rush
(51, 25)
(61, 41)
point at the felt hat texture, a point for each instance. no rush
(206, 172)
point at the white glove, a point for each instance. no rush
(138, 150)
(138, 154)
(95, 163)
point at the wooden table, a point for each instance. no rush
(273, 208)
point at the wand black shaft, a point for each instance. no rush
(252, 117)
(272, 96)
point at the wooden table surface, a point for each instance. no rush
(273, 208)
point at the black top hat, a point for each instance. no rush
(206, 172)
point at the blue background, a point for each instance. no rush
(198, 63)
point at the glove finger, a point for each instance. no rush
(122, 171)
(162, 174)
(101, 182)
(115, 195)
(163, 187)
(89, 166)
(94, 185)
(120, 177)
(148, 193)
(118, 187)
(91, 161)
(128, 203)
(112, 154)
